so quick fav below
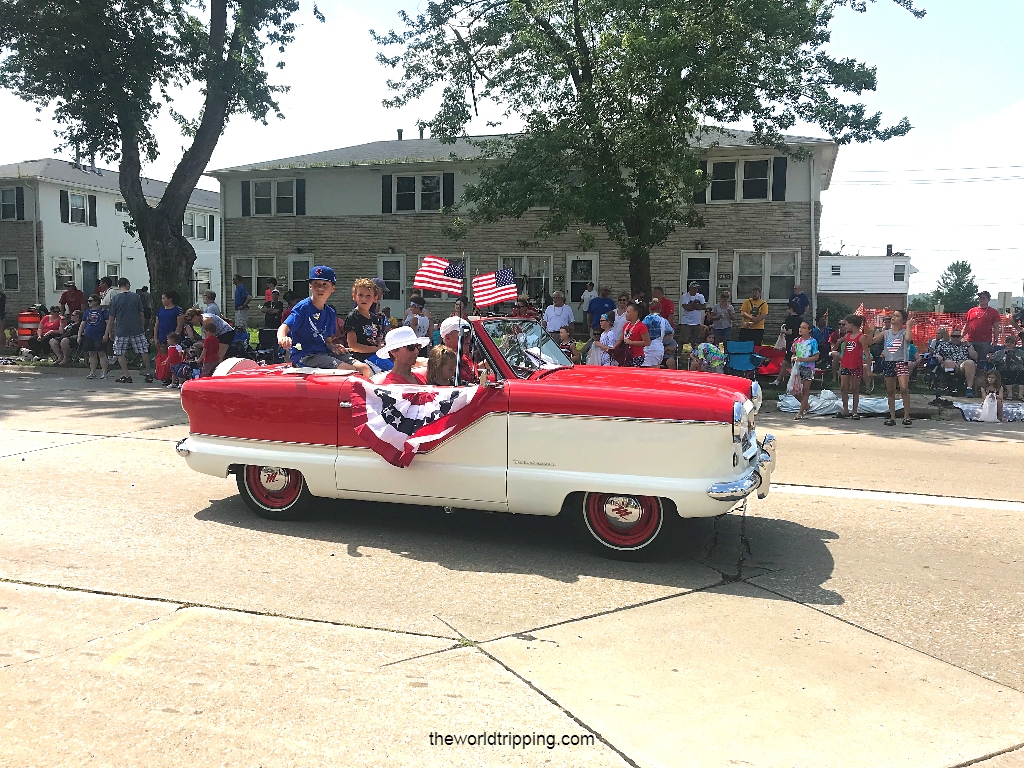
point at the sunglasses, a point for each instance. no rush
(412, 346)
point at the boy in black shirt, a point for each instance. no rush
(362, 329)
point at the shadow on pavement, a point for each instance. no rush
(472, 541)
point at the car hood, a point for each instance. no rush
(610, 391)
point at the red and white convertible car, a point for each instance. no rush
(625, 452)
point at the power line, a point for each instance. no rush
(895, 183)
(929, 170)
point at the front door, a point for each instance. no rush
(581, 268)
(391, 269)
(700, 266)
(90, 276)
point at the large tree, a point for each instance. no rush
(957, 290)
(107, 67)
(614, 96)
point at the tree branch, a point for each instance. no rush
(560, 45)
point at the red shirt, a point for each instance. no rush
(634, 332)
(48, 324)
(74, 299)
(211, 348)
(394, 378)
(853, 352)
(980, 323)
(468, 372)
(173, 356)
(668, 308)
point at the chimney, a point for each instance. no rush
(888, 250)
(78, 158)
(92, 162)
(399, 134)
(421, 133)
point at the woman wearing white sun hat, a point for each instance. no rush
(402, 345)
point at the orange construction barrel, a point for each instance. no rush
(28, 324)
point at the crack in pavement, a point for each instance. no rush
(227, 609)
(535, 689)
(86, 642)
(989, 756)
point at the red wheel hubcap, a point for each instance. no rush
(625, 522)
(273, 487)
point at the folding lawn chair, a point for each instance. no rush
(741, 360)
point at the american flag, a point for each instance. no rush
(437, 274)
(494, 288)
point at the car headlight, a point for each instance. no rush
(756, 396)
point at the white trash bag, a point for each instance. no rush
(792, 386)
(989, 409)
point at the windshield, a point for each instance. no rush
(526, 346)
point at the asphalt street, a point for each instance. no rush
(869, 612)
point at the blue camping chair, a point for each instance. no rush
(741, 360)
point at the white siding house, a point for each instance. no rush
(878, 282)
(67, 223)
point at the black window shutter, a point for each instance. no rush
(385, 193)
(701, 195)
(300, 197)
(779, 167)
(246, 208)
(65, 207)
(209, 229)
(19, 203)
(92, 210)
(448, 190)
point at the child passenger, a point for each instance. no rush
(311, 323)
(441, 367)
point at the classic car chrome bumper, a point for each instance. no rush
(757, 478)
(181, 447)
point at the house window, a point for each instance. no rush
(755, 180)
(113, 271)
(430, 193)
(532, 273)
(188, 225)
(10, 274)
(255, 273)
(121, 208)
(723, 181)
(299, 274)
(77, 203)
(204, 282)
(8, 203)
(405, 193)
(837, 270)
(262, 198)
(899, 273)
(284, 198)
(774, 272)
(200, 226)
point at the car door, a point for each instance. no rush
(471, 466)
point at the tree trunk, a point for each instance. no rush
(639, 272)
(170, 257)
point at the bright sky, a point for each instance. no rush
(952, 189)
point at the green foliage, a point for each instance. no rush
(836, 309)
(108, 68)
(921, 302)
(616, 96)
(957, 289)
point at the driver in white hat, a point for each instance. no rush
(403, 346)
(468, 371)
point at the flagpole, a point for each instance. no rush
(460, 314)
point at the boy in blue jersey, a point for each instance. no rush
(312, 323)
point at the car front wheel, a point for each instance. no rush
(620, 526)
(274, 493)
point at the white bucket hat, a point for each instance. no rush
(401, 337)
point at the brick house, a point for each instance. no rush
(375, 210)
(877, 282)
(60, 221)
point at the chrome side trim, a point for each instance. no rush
(611, 418)
(261, 440)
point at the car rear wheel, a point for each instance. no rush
(274, 493)
(621, 526)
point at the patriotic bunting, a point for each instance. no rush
(494, 288)
(398, 422)
(437, 274)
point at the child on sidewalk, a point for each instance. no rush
(175, 359)
(993, 386)
(851, 364)
(211, 349)
(895, 362)
(709, 356)
(805, 353)
(91, 334)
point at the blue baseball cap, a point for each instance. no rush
(323, 273)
